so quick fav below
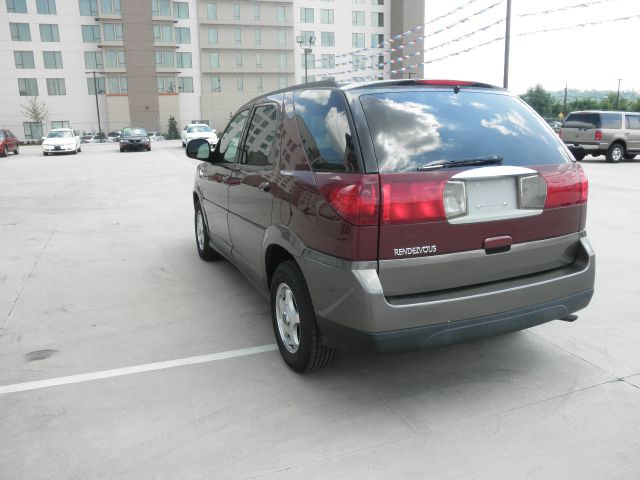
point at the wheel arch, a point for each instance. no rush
(279, 245)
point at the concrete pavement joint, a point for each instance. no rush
(148, 367)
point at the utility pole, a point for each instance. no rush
(618, 95)
(95, 91)
(564, 105)
(507, 41)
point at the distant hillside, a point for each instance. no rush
(593, 94)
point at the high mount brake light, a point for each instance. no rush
(450, 83)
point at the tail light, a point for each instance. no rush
(413, 198)
(598, 135)
(532, 192)
(354, 197)
(566, 187)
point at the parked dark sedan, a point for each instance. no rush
(135, 138)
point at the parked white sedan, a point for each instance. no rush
(61, 140)
(198, 130)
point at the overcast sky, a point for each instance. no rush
(592, 57)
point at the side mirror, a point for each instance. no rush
(199, 149)
(42, 138)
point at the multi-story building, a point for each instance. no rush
(194, 60)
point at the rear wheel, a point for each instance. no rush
(4, 152)
(17, 150)
(630, 156)
(121, 149)
(294, 321)
(579, 155)
(615, 153)
(202, 237)
(45, 153)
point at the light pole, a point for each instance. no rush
(507, 41)
(618, 95)
(95, 91)
(307, 50)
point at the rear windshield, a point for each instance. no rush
(582, 120)
(60, 134)
(410, 129)
(135, 132)
(198, 128)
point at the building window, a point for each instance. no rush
(112, 32)
(307, 36)
(238, 59)
(256, 11)
(162, 33)
(93, 60)
(185, 84)
(212, 11)
(52, 60)
(183, 35)
(166, 84)
(20, 32)
(358, 2)
(161, 8)
(281, 13)
(377, 2)
(357, 40)
(24, 60)
(46, 7)
(259, 59)
(215, 84)
(183, 60)
(214, 60)
(49, 33)
(282, 82)
(236, 11)
(357, 18)
(117, 85)
(91, 86)
(328, 61)
(56, 86)
(240, 84)
(281, 37)
(326, 16)
(28, 87)
(91, 33)
(88, 8)
(60, 124)
(111, 7)
(306, 15)
(358, 62)
(180, 10)
(377, 19)
(238, 35)
(213, 35)
(32, 131)
(310, 59)
(258, 35)
(114, 59)
(377, 40)
(327, 39)
(259, 84)
(164, 58)
(282, 60)
(17, 6)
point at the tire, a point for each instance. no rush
(45, 153)
(5, 152)
(184, 145)
(79, 149)
(615, 153)
(149, 149)
(121, 149)
(75, 152)
(579, 155)
(17, 150)
(630, 156)
(205, 251)
(299, 344)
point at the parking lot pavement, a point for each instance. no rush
(149, 366)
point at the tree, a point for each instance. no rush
(542, 101)
(173, 133)
(35, 110)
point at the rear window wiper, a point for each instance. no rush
(465, 162)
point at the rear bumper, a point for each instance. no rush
(353, 313)
(587, 147)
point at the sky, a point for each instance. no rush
(591, 57)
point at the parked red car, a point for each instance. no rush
(8, 143)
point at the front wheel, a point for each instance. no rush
(630, 156)
(615, 153)
(4, 152)
(202, 237)
(294, 321)
(17, 150)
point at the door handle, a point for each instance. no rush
(264, 187)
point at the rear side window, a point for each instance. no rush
(411, 129)
(633, 122)
(582, 120)
(323, 123)
(611, 120)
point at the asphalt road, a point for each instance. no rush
(147, 363)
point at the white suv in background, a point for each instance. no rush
(198, 130)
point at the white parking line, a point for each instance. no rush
(147, 367)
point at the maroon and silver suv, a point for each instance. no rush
(395, 216)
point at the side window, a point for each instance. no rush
(323, 123)
(261, 136)
(611, 120)
(231, 137)
(633, 122)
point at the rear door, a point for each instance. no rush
(444, 227)
(580, 128)
(632, 132)
(250, 196)
(215, 182)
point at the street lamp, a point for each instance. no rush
(95, 91)
(618, 95)
(307, 50)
